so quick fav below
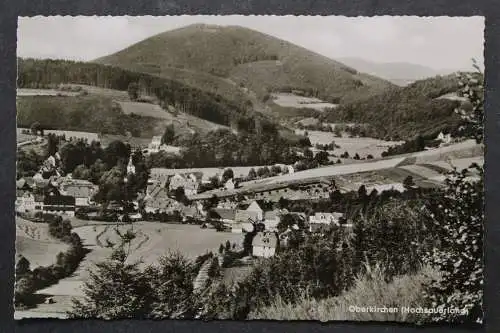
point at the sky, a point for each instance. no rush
(436, 42)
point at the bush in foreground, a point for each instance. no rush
(370, 289)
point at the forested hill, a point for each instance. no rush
(245, 58)
(404, 112)
(51, 73)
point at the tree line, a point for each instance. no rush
(402, 113)
(50, 73)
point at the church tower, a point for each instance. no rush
(130, 166)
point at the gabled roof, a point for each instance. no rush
(79, 191)
(226, 214)
(246, 216)
(189, 211)
(267, 239)
(59, 200)
(254, 206)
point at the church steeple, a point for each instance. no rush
(130, 166)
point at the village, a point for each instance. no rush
(181, 196)
(230, 208)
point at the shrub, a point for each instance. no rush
(458, 219)
(370, 289)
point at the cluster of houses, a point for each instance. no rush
(55, 195)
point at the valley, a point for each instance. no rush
(222, 169)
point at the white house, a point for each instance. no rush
(51, 161)
(255, 209)
(272, 219)
(319, 220)
(25, 203)
(444, 138)
(264, 244)
(229, 185)
(154, 146)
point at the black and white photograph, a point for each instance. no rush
(310, 168)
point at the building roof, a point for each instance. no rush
(246, 216)
(226, 214)
(20, 183)
(325, 217)
(189, 211)
(271, 215)
(334, 215)
(258, 187)
(79, 191)
(267, 239)
(254, 206)
(59, 200)
(162, 204)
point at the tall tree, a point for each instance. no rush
(133, 91)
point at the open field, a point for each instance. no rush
(152, 241)
(35, 244)
(468, 151)
(144, 109)
(295, 101)
(74, 134)
(111, 93)
(155, 111)
(45, 92)
(362, 146)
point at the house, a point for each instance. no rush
(272, 219)
(51, 161)
(189, 183)
(59, 204)
(190, 212)
(255, 209)
(154, 146)
(229, 185)
(444, 138)
(223, 215)
(320, 220)
(158, 201)
(81, 190)
(237, 228)
(264, 244)
(25, 184)
(25, 202)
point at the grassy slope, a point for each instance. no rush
(98, 112)
(368, 290)
(243, 56)
(91, 113)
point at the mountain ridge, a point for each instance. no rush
(399, 72)
(245, 56)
